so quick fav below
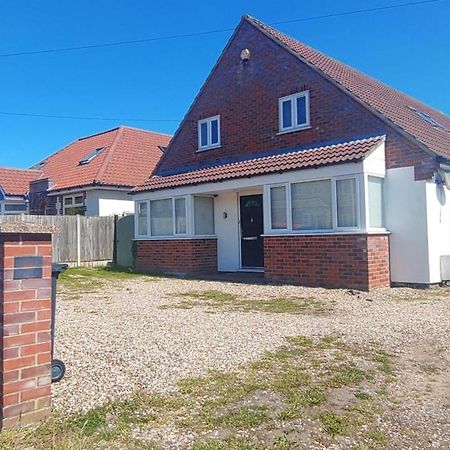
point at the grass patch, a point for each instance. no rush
(252, 408)
(213, 299)
(243, 418)
(333, 423)
(76, 281)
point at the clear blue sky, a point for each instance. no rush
(408, 48)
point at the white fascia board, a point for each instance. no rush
(259, 180)
(87, 188)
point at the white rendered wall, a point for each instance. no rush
(227, 231)
(438, 217)
(406, 219)
(101, 202)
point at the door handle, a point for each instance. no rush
(250, 238)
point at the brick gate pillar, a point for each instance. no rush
(25, 315)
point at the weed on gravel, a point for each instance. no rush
(318, 390)
(214, 300)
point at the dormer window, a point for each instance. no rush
(90, 156)
(209, 133)
(294, 112)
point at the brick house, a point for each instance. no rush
(14, 187)
(93, 175)
(292, 163)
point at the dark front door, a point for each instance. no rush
(252, 250)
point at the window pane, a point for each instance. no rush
(214, 131)
(180, 215)
(204, 215)
(286, 114)
(68, 200)
(79, 200)
(376, 203)
(301, 110)
(15, 207)
(161, 220)
(74, 210)
(142, 218)
(311, 205)
(346, 203)
(204, 134)
(278, 207)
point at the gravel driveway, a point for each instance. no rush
(133, 335)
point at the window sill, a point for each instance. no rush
(324, 233)
(293, 130)
(205, 149)
(174, 238)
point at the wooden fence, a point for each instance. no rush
(80, 240)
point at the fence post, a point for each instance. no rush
(78, 241)
(25, 323)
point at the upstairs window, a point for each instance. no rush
(209, 133)
(294, 112)
(90, 156)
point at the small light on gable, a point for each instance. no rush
(246, 54)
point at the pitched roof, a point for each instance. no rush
(16, 182)
(424, 124)
(127, 158)
(292, 160)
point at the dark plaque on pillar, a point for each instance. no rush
(27, 267)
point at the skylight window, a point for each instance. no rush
(91, 155)
(427, 118)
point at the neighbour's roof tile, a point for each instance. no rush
(16, 182)
(127, 158)
(425, 124)
(280, 162)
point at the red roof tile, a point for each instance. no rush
(300, 159)
(129, 155)
(16, 182)
(399, 108)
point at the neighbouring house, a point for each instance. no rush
(292, 163)
(92, 176)
(14, 186)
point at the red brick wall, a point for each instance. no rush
(26, 333)
(246, 97)
(188, 256)
(357, 261)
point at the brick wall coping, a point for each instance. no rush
(27, 228)
(331, 233)
(175, 238)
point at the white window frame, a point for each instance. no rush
(293, 98)
(335, 227)
(185, 214)
(5, 203)
(73, 204)
(208, 122)
(149, 230)
(287, 192)
(368, 175)
(193, 214)
(136, 223)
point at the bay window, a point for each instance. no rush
(318, 205)
(173, 216)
